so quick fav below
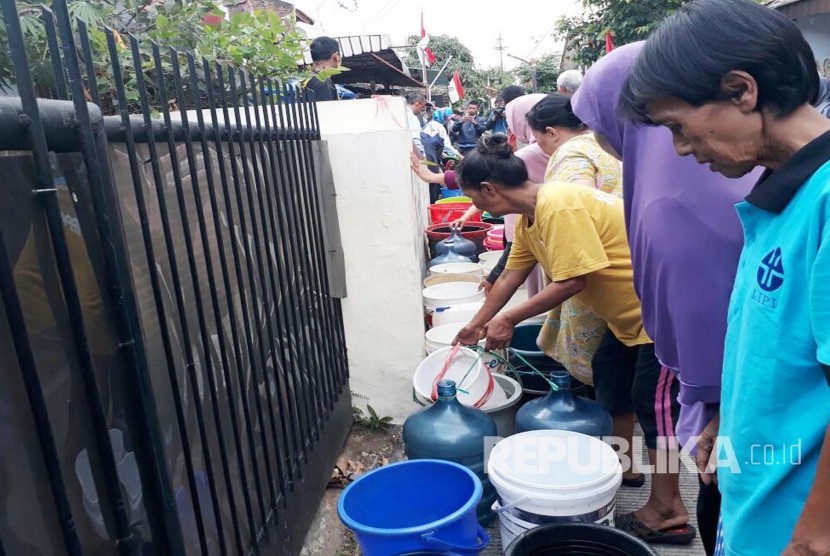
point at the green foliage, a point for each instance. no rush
(628, 20)
(547, 72)
(260, 43)
(372, 421)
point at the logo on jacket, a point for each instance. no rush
(771, 271)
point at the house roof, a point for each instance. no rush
(371, 58)
(800, 8)
(282, 9)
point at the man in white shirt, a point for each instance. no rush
(416, 104)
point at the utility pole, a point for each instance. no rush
(501, 48)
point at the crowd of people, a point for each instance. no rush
(678, 206)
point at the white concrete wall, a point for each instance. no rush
(382, 208)
(816, 30)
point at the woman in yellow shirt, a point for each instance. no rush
(572, 333)
(577, 234)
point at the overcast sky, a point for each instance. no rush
(527, 26)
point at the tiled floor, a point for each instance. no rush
(630, 499)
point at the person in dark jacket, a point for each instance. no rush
(325, 53)
(496, 121)
(469, 128)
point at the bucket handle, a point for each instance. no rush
(429, 538)
(498, 508)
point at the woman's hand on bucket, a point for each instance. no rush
(499, 333)
(470, 335)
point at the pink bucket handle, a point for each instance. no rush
(440, 376)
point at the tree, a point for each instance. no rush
(444, 46)
(627, 20)
(547, 72)
(260, 43)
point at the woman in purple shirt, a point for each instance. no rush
(685, 240)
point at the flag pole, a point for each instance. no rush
(431, 85)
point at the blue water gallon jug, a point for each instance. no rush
(452, 432)
(462, 246)
(450, 256)
(562, 410)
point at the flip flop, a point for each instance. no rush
(635, 482)
(681, 534)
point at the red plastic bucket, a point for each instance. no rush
(445, 213)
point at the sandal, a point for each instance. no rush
(635, 482)
(339, 479)
(681, 534)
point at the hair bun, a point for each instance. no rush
(495, 143)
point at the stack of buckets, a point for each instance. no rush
(540, 477)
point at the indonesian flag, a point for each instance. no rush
(609, 42)
(425, 54)
(456, 91)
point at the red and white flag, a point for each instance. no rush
(425, 54)
(456, 91)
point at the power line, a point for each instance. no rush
(383, 12)
(540, 40)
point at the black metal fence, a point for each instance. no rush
(174, 375)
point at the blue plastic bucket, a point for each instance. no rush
(412, 506)
(446, 192)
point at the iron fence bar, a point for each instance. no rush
(259, 188)
(37, 403)
(214, 299)
(279, 307)
(237, 180)
(283, 244)
(300, 211)
(86, 48)
(337, 317)
(190, 364)
(197, 102)
(322, 294)
(54, 52)
(289, 317)
(334, 314)
(223, 174)
(140, 410)
(46, 193)
(197, 292)
(293, 215)
(312, 299)
(135, 174)
(249, 194)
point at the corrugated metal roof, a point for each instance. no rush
(780, 3)
(371, 58)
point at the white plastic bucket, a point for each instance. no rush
(451, 293)
(504, 414)
(434, 280)
(490, 256)
(469, 269)
(488, 266)
(462, 313)
(551, 476)
(442, 336)
(465, 369)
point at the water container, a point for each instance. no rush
(577, 539)
(546, 476)
(452, 432)
(562, 410)
(450, 255)
(463, 247)
(415, 506)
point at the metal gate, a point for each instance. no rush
(173, 374)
